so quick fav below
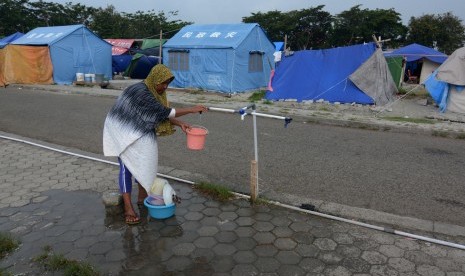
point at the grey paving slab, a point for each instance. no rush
(205, 237)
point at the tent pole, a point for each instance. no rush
(285, 44)
(254, 164)
(159, 49)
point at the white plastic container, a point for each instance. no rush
(88, 78)
(80, 77)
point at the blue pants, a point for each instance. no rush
(125, 178)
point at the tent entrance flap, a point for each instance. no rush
(375, 80)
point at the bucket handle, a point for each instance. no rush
(197, 126)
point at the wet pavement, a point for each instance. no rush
(49, 198)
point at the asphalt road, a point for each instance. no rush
(404, 174)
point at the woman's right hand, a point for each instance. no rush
(199, 108)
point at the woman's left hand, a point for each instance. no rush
(184, 126)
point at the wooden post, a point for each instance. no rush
(285, 44)
(253, 181)
(161, 43)
(376, 41)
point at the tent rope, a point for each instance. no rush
(384, 108)
(162, 33)
(327, 90)
(90, 53)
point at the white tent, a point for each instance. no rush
(447, 84)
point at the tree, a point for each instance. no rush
(306, 28)
(357, 25)
(14, 15)
(445, 31)
(108, 23)
(311, 29)
(274, 23)
(387, 24)
(53, 14)
(149, 24)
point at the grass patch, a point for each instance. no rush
(215, 191)
(368, 127)
(257, 96)
(54, 262)
(415, 92)
(260, 201)
(402, 91)
(440, 133)
(324, 108)
(460, 136)
(409, 120)
(7, 244)
(267, 102)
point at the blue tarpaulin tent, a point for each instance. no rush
(7, 40)
(420, 60)
(354, 74)
(141, 66)
(414, 52)
(73, 49)
(220, 57)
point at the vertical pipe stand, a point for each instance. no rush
(253, 163)
(253, 181)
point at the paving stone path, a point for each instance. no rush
(53, 199)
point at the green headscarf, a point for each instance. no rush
(159, 74)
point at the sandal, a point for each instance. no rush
(131, 220)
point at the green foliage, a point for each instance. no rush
(438, 133)
(13, 14)
(310, 28)
(215, 191)
(306, 28)
(56, 262)
(7, 244)
(267, 102)
(358, 25)
(257, 96)
(25, 15)
(274, 23)
(444, 31)
(402, 91)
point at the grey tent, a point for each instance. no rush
(447, 84)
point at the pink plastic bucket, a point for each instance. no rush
(196, 137)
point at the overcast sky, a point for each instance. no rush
(232, 11)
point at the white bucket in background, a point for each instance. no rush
(79, 76)
(88, 78)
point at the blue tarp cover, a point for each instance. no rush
(120, 62)
(279, 45)
(438, 90)
(6, 40)
(415, 52)
(321, 74)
